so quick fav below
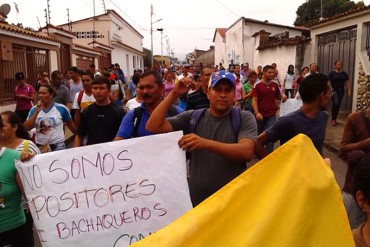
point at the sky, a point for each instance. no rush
(187, 24)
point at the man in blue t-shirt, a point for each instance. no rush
(133, 124)
(310, 119)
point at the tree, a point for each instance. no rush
(311, 9)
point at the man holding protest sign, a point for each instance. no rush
(133, 124)
(310, 119)
(100, 120)
(219, 148)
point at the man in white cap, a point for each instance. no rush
(222, 140)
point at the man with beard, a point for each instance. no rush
(310, 119)
(133, 124)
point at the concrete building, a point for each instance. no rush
(112, 33)
(241, 43)
(219, 44)
(346, 37)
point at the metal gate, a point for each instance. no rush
(28, 60)
(84, 62)
(338, 45)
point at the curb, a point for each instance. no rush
(331, 148)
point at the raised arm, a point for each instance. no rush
(30, 123)
(157, 122)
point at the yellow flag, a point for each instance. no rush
(289, 199)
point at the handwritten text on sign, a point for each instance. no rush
(110, 194)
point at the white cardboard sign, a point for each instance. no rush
(110, 194)
(290, 105)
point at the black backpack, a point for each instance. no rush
(196, 115)
(138, 114)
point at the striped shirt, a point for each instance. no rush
(197, 100)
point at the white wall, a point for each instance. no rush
(234, 44)
(53, 60)
(219, 50)
(74, 59)
(283, 56)
(7, 108)
(118, 28)
(241, 45)
(119, 56)
(251, 28)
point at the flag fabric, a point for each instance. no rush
(288, 199)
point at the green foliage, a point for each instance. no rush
(310, 10)
(147, 58)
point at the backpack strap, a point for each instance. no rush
(196, 115)
(194, 119)
(136, 119)
(172, 111)
(366, 121)
(235, 119)
(79, 98)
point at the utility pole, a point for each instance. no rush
(151, 33)
(321, 17)
(161, 30)
(94, 34)
(48, 3)
(46, 21)
(68, 20)
(105, 9)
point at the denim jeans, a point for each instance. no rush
(336, 100)
(263, 125)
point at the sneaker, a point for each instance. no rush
(333, 122)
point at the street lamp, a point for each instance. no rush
(151, 32)
(161, 30)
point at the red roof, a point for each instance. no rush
(221, 31)
(274, 42)
(339, 16)
(12, 28)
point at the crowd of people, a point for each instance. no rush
(228, 117)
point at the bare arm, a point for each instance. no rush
(30, 123)
(77, 142)
(347, 147)
(348, 88)
(68, 105)
(71, 126)
(245, 95)
(157, 122)
(255, 109)
(283, 85)
(77, 116)
(260, 149)
(241, 151)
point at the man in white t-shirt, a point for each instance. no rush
(83, 98)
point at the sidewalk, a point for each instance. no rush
(334, 134)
